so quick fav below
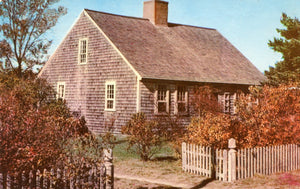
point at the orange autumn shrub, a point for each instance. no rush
(210, 130)
(266, 116)
(270, 115)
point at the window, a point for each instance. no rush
(228, 100)
(162, 99)
(61, 89)
(110, 95)
(181, 100)
(82, 57)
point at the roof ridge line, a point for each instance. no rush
(201, 27)
(112, 14)
(170, 24)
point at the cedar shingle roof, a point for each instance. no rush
(177, 52)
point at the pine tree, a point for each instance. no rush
(288, 69)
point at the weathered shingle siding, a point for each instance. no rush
(148, 88)
(147, 99)
(85, 84)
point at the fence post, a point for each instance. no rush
(183, 156)
(108, 158)
(231, 160)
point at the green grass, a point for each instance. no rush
(121, 151)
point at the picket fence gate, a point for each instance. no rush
(231, 164)
(90, 176)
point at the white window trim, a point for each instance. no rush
(79, 49)
(114, 99)
(176, 111)
(156, 100)
(57, 90)
(232, 99)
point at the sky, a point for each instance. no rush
(247, 24)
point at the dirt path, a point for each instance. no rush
(130, 180)
(154, 182)
(158, 174)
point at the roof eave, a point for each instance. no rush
(197, 81)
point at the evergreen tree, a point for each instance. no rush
(288, 69)
(23, 24)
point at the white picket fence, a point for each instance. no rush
(231, 164)
(221, 168)
(197, 159)
(267, 160)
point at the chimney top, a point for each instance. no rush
(156, 11)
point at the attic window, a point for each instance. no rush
(82, 57)
(181, 100)
(161, 99)
(61, 89)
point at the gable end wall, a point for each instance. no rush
(85, 83)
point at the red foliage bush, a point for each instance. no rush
(32, 127)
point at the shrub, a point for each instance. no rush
(209, 127)
(33, 127)
(173, 131)
(107, 137)
(270, 115)
(82, 153)
(265, 116)
(205, 100)
(210, 130)
(144, 135)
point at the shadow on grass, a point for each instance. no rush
(120, 141)
(203, 183)
(164, 158)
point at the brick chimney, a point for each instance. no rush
(156, 11)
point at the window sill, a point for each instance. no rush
(182, 114)
(162, 114)
(110, 110)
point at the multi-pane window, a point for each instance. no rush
(162, 99)
(228, 103)
(61, 88)
(181, 104)
(110, 95)
(82, 51)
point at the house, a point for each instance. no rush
(110, 66)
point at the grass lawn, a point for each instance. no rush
(163, 162)
(121, 153)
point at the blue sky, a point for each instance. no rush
(247, 24)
